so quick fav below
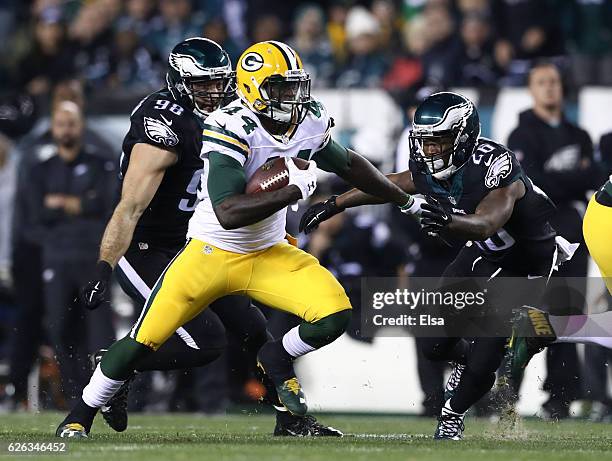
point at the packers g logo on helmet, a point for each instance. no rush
(272, 82)
(252, 62)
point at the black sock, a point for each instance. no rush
(81, 413)
(471, 389)
(278, 362)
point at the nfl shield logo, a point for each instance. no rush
(452, 200)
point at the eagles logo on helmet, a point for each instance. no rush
(445, 131)
(200, 75)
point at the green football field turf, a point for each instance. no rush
(372, 438)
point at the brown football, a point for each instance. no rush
(272, 175)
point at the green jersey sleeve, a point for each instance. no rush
(226, 177)
(333, 158)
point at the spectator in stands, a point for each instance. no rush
(140, 14)
(476, 63)
(92, 33)
(50, 58)
(527, 29)
(366, 65)
(267, 27)
(590, 38)
(71, 196)
(441, 59)
(558, 156)
(310, 41)
(336, 20)
(176, 22)
(479, 7)
(216, 30)
(406, 70)
(133, 67)
(386, 14)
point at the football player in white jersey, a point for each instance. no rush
(237, 241)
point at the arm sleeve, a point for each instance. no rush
(333, 158)
(226, 177)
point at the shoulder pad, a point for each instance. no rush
(228, 130)
(497, 163)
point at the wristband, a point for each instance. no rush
(103, 270)
(412, 206)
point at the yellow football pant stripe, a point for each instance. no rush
(597, 230)
(282, 277)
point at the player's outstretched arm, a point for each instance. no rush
(491, 214)
(234, 208)
(372, 187)
(142, 179)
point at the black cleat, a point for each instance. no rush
(303, 426)
(115, 411)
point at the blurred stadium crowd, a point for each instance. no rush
(59, 54)
(121, 45)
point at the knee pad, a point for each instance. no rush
(326, 330)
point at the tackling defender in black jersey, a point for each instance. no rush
(476, 192)
(161, 171)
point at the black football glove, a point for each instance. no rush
(318, 213)
(434, 218)
(92, 295)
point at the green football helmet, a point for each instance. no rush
(200, 75)
(444, 133)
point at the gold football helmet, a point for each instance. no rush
(272, 82)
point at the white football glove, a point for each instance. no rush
(414, 209)
(306, 180)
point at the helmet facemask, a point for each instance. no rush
(435, 150)
(285, 99)
(208, 93)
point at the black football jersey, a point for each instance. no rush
(161, 121)
(526, 242)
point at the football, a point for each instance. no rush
(272, 175)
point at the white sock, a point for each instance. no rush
(100, 389)
(294, 345)
(590, 328)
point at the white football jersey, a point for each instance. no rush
(237, 132)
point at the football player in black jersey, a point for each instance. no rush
(476, 191)
(161, 169)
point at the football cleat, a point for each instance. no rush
(303, 426)
(115, 411)
(450, 424)
(531, 333)
(71, 431)
(453, 380)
